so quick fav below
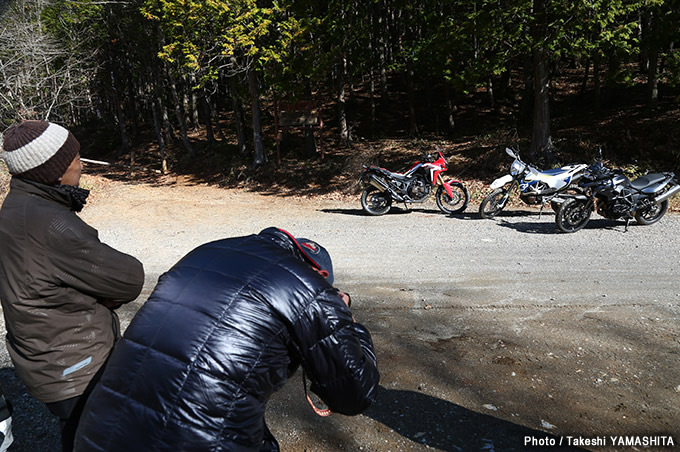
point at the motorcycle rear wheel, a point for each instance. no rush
(651, 214)
(453, 204)
(572, 215)
(375, 202)
(491, 206)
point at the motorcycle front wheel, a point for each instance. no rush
(375, 202)
(555, 206)
(455, 203)
(572, 215)
(493, 203)
(652, 214)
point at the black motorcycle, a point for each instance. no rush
(615, 196)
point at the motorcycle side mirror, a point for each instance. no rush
(511, 153)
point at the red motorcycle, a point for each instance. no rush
(382, 187)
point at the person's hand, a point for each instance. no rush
(348, 301)
(346, 298)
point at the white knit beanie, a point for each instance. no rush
(39, 150)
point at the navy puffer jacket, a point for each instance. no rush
(223, 330)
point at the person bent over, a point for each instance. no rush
(222, 331)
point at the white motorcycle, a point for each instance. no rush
(536, 187)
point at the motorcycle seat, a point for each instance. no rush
(562, 170)
(390, 173)
(647, 180)
(549, 176)
(553, 172)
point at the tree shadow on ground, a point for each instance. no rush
(440, 424)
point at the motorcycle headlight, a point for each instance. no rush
(517, 167)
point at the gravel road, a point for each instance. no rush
(491, 334)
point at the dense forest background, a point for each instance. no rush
(194, 86)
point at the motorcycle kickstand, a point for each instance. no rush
(627, 223)
(541, 211)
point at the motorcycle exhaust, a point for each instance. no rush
(377, 183)
(664, 196)
(382, 186)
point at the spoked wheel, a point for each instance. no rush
(375, 202)
(455, 203)
(651, 214)
(493, 203)
(572, 215)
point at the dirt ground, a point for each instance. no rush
(491, 335)
(488, 332)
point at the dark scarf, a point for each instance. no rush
(78, 196)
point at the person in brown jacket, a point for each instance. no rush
(59, 284)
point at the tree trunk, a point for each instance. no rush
(373, 104)
(186, 105)
(165, 118)
(120, 117)
(382, 54)
(490, 93)
(586, 74)
(451, 109)
(239, 121)
(527, 100)
(215, 112)
(195, 101)
(207, 112)
(342, 111)
(653, 52)
(159, 136)
(180, 117)
(240, 126)
(596, 83)
(260, 157)
(413, 123)
(653, 79)
(644, 36)
(310, 147)
(541, 141)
